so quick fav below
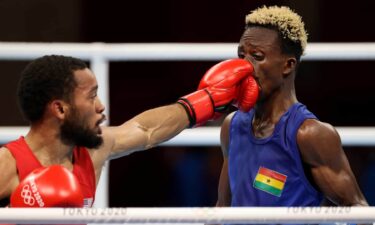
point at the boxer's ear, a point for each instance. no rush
(289, 66)
(57, 108)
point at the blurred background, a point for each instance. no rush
(338, 92)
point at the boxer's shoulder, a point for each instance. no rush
(312, 128)
(7, 160)
(9, 177)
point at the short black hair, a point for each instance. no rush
(45, 79)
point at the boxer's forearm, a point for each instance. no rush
(147, 129)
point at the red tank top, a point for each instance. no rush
(83, 168)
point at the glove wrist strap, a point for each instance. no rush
(199, 107)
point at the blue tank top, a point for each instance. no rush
(269, 171)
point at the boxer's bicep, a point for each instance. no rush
(321, 151)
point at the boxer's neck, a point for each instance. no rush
(47, 146)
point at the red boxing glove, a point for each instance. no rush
(53, 186)
(247, 94)
(228, 82)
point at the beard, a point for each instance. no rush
(74, 131)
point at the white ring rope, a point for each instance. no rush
(210, 136)
(173, 51)
(261, 215)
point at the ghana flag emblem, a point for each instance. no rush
(270, 181)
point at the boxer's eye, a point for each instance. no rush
(241, 55)
(257, 56)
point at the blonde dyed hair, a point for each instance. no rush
(287, 22)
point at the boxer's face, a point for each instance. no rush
(261, 47)
(81, 125)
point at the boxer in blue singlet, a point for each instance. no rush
(279, 153)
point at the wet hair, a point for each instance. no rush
(45, 79)
(287, 23)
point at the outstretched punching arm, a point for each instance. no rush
(229, 82)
